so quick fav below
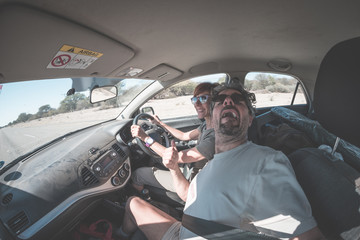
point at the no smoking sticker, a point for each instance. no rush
(61, 60)
(69, 57)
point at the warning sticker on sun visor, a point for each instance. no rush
(69, 57)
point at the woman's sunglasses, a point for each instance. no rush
(202, 99)
(235, 97)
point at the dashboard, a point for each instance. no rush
(53, 186)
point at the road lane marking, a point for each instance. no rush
(27, 135)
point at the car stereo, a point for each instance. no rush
(107, 164)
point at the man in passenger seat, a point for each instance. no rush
(248, 186)
(200, 154)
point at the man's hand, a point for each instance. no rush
(137, 131)
(170, 160)
(171, 157)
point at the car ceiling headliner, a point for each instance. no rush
(234, 36)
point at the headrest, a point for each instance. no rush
(337, 91)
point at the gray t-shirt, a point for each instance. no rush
(250, 187)
(206, 141)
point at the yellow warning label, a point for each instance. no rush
(82, 51)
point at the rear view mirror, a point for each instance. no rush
(100, 94)
(148, 110)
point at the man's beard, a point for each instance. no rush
(229, 129)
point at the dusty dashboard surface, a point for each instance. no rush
(41, 187)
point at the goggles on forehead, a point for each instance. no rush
(202, 99)
(235, 97)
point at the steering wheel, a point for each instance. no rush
(156, 132)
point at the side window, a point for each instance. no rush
(175, 102)
(274, 89)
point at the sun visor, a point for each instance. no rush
(36, 45)
(88, 83)
(162, 73)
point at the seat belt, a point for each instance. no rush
(213, 230)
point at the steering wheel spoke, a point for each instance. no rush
(146, 126)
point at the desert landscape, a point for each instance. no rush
(164, 108)
(21, 138)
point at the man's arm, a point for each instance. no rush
(170, 160)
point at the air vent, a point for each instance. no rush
(119, 150)
(7, 199)
(88, 178)
(18, 222)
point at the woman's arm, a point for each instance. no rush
(137, 131)
(185, 156)
(184, 136)
(190, 155)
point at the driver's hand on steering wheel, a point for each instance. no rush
(156, 120)
(171, 156)
(137, 131)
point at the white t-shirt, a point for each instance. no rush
(250, 187)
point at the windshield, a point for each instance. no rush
(37, 112)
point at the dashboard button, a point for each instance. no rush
(122, 173)
(115, 181)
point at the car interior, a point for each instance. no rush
(78, 183)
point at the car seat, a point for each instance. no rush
(332, 186)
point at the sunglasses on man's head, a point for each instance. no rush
(235, 97)
(202, 99)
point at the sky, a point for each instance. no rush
(20, 97)
(27, 97)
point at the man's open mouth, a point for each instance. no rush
(229, 115)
